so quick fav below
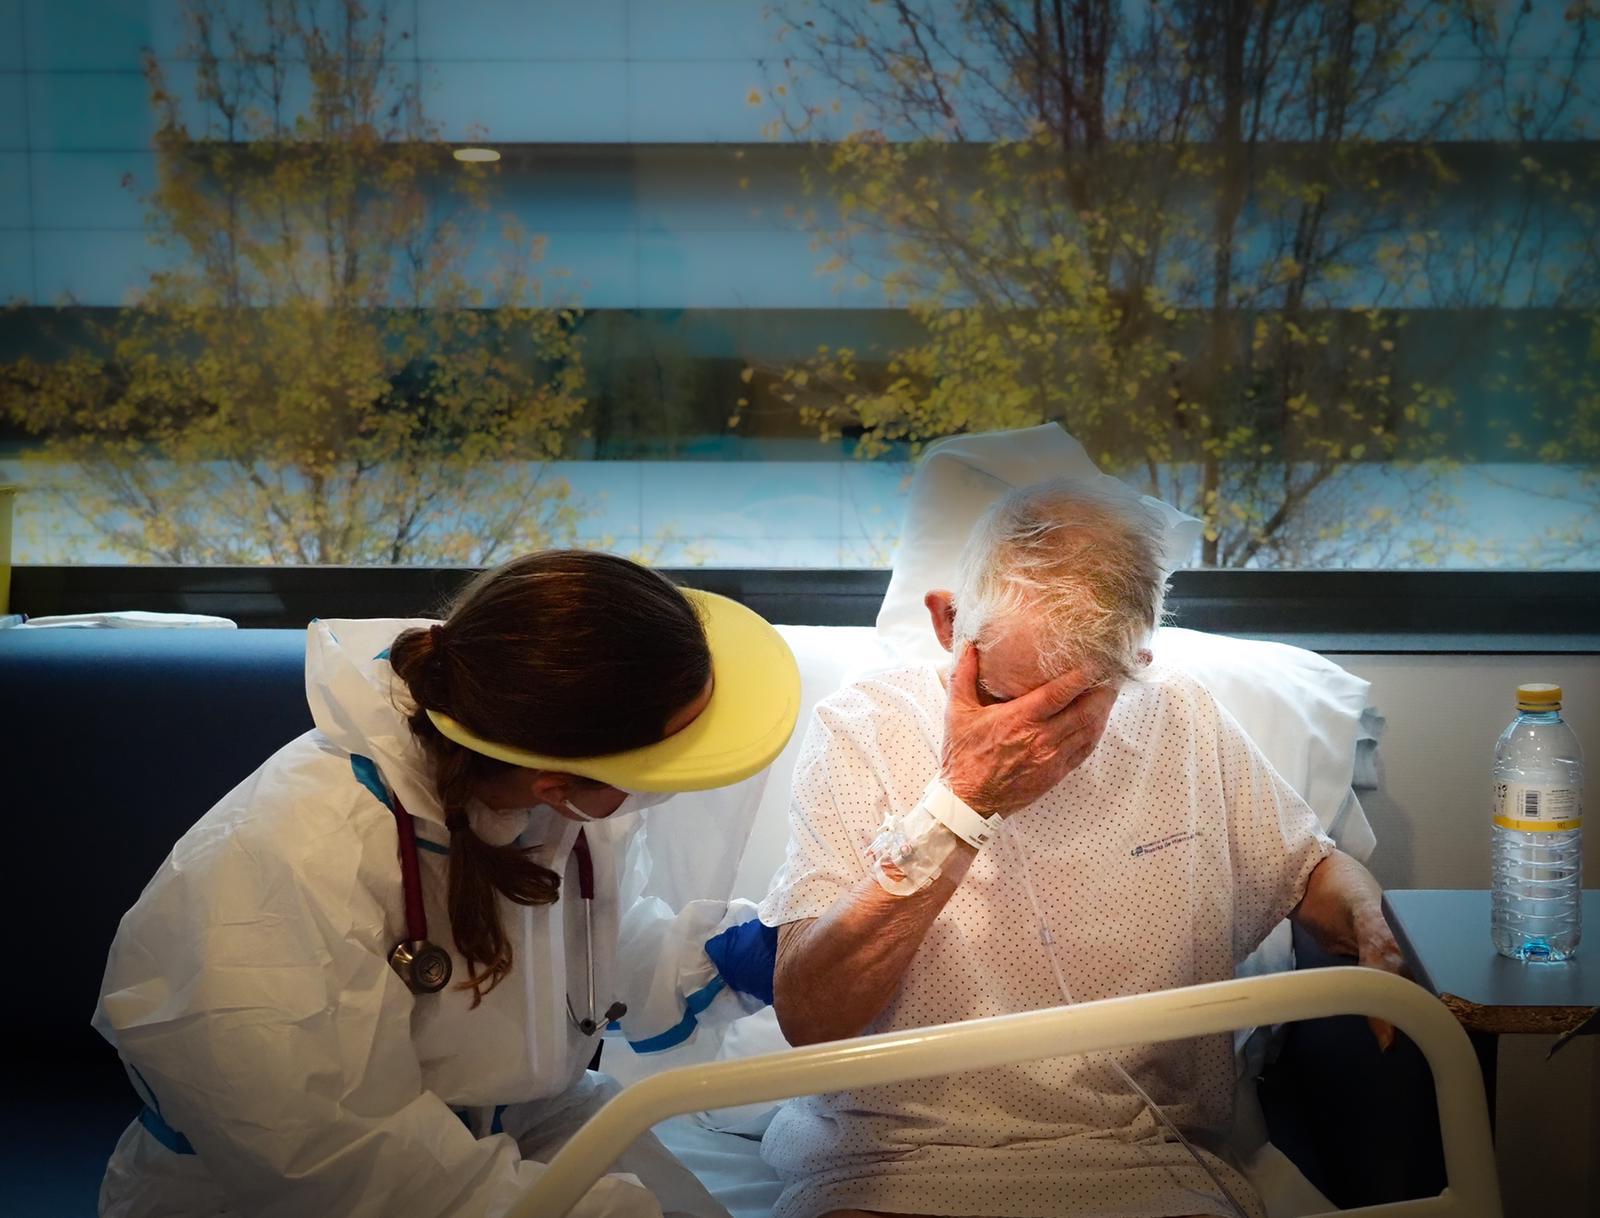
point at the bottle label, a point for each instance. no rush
(1531, 808)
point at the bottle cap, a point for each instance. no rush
(1538, 697)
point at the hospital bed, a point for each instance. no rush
(713, 1095)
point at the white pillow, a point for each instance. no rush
(955, 483)
(1302, 711)
(830, 657)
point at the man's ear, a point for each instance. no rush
(942, 609)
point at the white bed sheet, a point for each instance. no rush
(731, 1168)
(728, 1164)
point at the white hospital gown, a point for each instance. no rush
(1162, 861)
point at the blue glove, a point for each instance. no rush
(745, 955)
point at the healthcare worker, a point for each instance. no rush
(368, 981)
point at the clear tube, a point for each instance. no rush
(1048, 939)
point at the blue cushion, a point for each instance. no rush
(112, 743)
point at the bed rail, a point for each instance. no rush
(1113, 1023)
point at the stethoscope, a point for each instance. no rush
(425, 967)
(588, 1026)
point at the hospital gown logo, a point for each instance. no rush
(1161, 843)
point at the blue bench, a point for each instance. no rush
(114, 742)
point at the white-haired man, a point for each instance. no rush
(1161, 845)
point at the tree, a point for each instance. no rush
(1521, 279)
(1188, 232)
(318, 375)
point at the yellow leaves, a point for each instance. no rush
(746, 373)
(754, 97)
(1300, 404)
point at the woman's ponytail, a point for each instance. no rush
(480, 873)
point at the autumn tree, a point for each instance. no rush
(1519, 276)
(317, 374)
(1190, 232)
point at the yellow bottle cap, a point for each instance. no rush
(1538, 697)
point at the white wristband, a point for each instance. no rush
(948, 808)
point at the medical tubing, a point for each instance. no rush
(1048, 939)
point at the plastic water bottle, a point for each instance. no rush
(1538, 831)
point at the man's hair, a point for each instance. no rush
(1082, 566)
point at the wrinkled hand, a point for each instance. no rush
(1376, 948)
(1003, 757)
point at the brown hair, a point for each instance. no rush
(565, 652)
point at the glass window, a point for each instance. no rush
(327, 282)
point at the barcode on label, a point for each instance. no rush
(1530, 804)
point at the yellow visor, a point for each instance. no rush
(755, 700)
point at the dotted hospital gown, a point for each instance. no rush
(1162, 861)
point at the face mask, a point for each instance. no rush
(636, 801)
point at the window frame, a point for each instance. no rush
(1372, 612)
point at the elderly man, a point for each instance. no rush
(1161, 847)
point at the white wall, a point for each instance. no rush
(1445, 712)
(1431, 815)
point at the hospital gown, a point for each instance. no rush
(1160, 862)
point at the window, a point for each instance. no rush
(1324, 274)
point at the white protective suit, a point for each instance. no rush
(287, 1070)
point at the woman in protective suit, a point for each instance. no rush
(368, 981)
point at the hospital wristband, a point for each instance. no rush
(951, 811)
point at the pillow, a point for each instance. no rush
(829, 657)
(955, 483)
(1303, 712)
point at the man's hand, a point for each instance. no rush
(1376, 948)
(1003, 757)
(1342, 909)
